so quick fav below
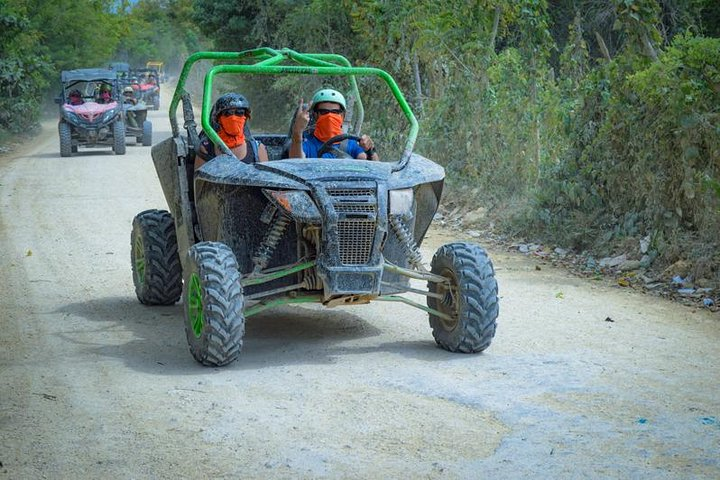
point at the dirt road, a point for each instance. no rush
(95, 385)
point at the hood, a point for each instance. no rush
(299, 174)
(328, 169)
(90, 110)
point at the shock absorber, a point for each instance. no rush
(408, 242)
(267, 247)
(311, 234)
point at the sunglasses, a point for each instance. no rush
(323, 111)
(240, 112)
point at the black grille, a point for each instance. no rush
(351, 192)
(357, 212)
(356, 239)
(344, 208)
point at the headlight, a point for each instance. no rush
(296, 204)
(70, 116)
(107, 116)
(401, 201)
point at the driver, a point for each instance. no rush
(129, 95)
(228, 117)
(328, 112)
(129, 99)
(75, 98)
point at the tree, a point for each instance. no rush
(23, 69)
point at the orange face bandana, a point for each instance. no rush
(232, 130)
(328, 126)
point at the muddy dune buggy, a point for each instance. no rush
(240, 239)
(90, 112)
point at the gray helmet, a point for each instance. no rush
(226, 102)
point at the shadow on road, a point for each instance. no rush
(99, 152)
(283, 336)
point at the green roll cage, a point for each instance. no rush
(269, 61)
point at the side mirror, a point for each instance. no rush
(59, 100)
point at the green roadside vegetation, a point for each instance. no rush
(591, 125)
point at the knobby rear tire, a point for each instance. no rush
(147, 133)
(157, 273)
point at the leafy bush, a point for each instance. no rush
(645, 156)
(22, 74)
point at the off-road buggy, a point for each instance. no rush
(160, 68)
(122, 70)
(149, 91)
(136, 122)
(240, 239)
(90, 123)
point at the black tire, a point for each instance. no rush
(214, 301)
(472, 299)
(157, 273)
(65, 131)
(119, 138)
(147, 133)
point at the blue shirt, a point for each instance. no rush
(311, 145)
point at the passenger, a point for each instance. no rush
(75, 98)
(105, 94)
(328, 112)
(228, 117)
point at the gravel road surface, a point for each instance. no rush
(582, 380)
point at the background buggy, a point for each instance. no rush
(91, 123)
(149, 92)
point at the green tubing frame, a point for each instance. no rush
(269, 62)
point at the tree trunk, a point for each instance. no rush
(648, 47)
(536, 112)
(418, 83)
(496, 24)
(603, 47)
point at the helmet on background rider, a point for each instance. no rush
(328, 95)
(226, 102)
(129, 90)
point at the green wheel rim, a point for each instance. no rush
(449, 304)
(195, 305)
(139, 260)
